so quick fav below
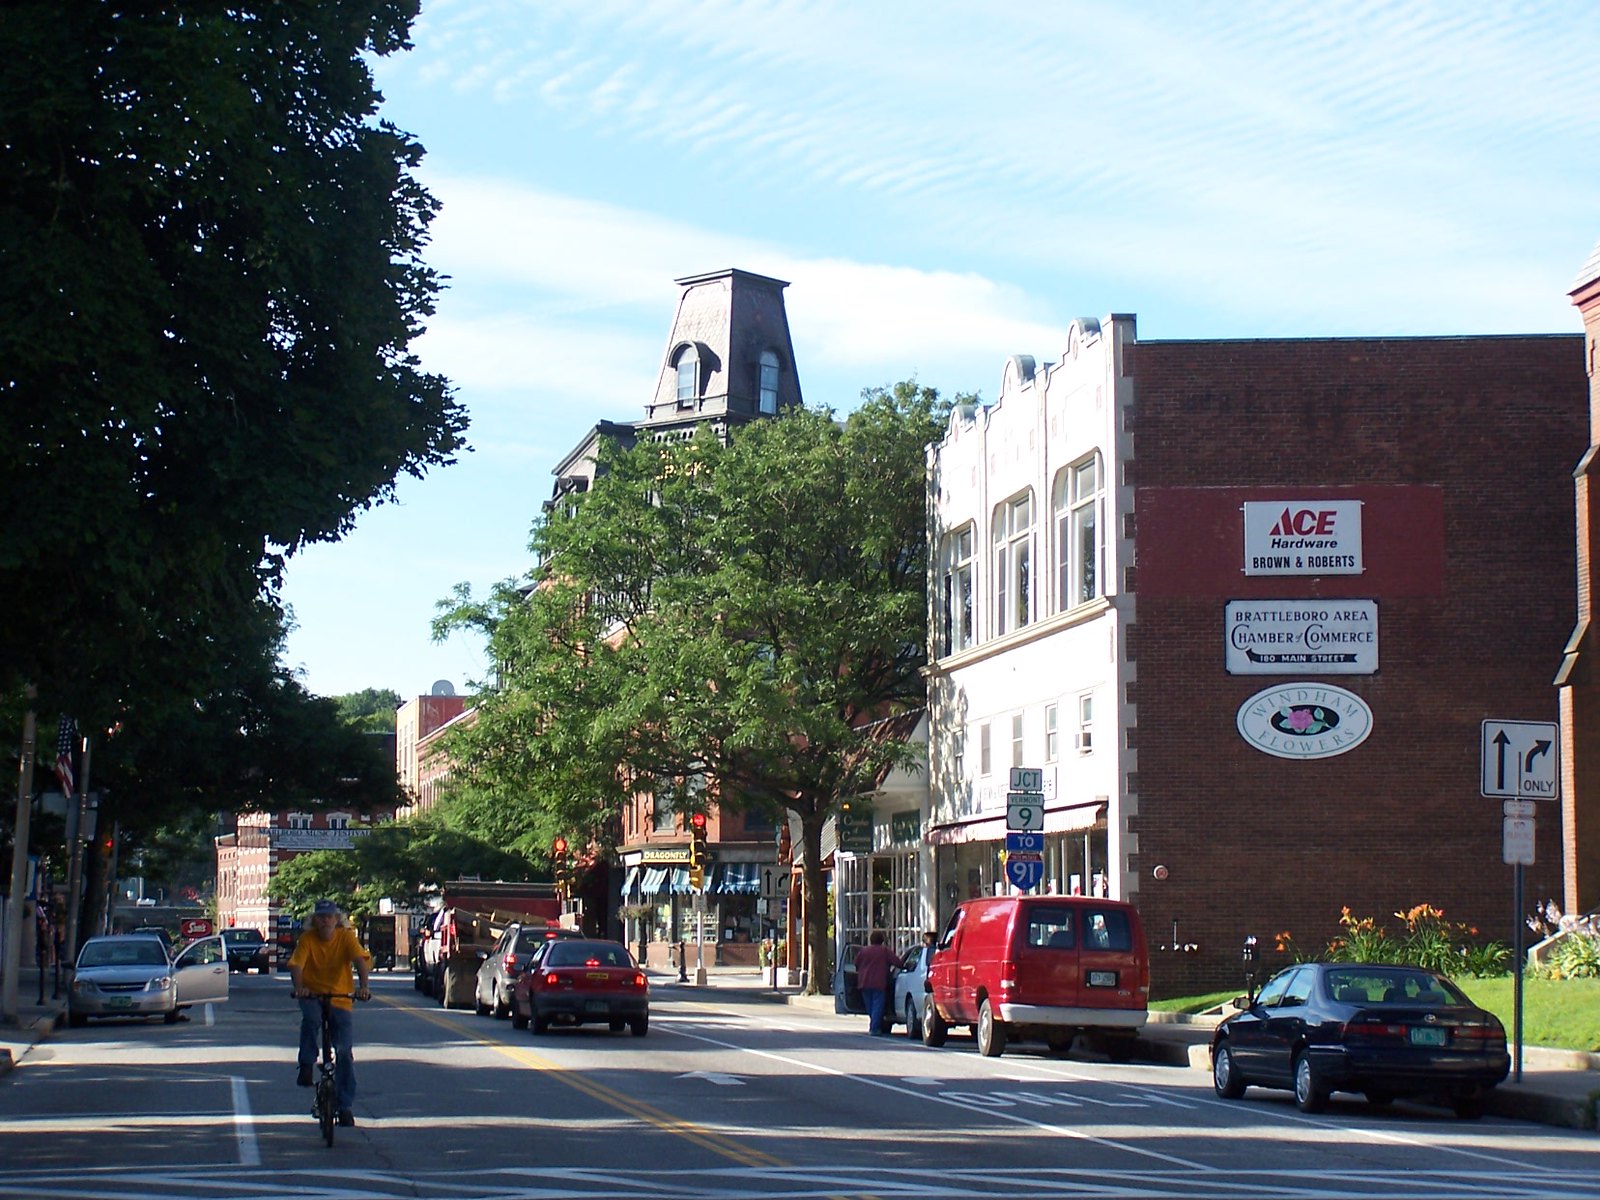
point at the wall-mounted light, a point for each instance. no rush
(1159, 872)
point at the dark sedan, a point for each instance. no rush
(247, 950)
(579, 981)
(1387, 1031)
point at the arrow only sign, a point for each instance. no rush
(1521, 760)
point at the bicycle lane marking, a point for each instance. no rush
(951, 1101)
(705, 1138)
(1376, 1135)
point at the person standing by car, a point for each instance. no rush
(872, 977)
(320, 966)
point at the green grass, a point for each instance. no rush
(1561, 1013)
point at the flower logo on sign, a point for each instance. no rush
(1305, 720)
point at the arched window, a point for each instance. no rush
(769, 382)
(688, 377)
(1013, 563)
(955, 592)
(1080, 537)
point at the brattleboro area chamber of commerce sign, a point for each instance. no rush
(1302, 537)
(1304, 720)
(1292, 637)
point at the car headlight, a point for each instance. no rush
(159, 984)
(83, 985)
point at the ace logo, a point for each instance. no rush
(1306, 521)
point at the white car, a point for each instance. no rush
(907, 990)
(130, 975)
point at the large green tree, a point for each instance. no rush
(210, 256)
(733, 612)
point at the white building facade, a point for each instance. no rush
(1029, 542)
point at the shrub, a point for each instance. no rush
(1578, 957)
(1425, 940)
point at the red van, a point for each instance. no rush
(1041, 968)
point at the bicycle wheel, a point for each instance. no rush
(325, 1113)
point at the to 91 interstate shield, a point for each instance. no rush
(1304, 720)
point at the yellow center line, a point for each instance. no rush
(664, 1121)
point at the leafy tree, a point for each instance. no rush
(736, 612)
(211, 257)
(370, 710)
(407, 861)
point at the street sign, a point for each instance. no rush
(854, 827)
(1516, 841)
(1027, 779)
(1024, 873)
(1024, 811)
(1024, 843)
(1521, 760)
(1518, 808)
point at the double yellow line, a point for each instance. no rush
(648, 1113)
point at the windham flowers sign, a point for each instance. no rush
(1304, 720)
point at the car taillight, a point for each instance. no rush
(1373, 1027)
(639, 980)
(1008, 974)
(1490, 1035)
(551, 979)
(511, 962)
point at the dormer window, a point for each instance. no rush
(769, 382)
(688, 377)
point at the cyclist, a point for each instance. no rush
(320, 965)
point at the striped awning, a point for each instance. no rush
(655, 879)
(680, 881)
(629, 880)
(738, 879)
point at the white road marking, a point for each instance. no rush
(244, 1125)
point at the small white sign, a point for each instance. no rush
(1024, 811)
(1516, 841)
(1027, 779)
(1294, 637)
(1302, 537)
(1521, 760)
(1304, 720)
(1518, 808)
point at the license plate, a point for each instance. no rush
(1421, 1036)
(120, 1002)
(1102, 979)
(596, 1006)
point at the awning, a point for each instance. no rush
(654, 881)
(738, 879)
(680, 881)
(993, 829)
(629, 880)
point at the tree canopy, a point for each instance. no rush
(211, 251)
(735, 612)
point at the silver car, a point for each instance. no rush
(908, 993)
(130, 975)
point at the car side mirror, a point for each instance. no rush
(1242, 1003)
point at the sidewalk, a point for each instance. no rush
(35, 1021)
(1559, 1087)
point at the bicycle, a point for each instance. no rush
(324, 1102)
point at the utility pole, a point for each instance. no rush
(19, 868)
(75, 814)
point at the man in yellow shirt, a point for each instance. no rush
(319, 966)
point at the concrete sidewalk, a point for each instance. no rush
(36, 1019)
(1558, 1087)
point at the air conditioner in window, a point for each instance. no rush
(1083, 741)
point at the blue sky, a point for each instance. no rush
(944, 185)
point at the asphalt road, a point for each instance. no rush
(724, 1097)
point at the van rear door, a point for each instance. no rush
(1111, 958)
(1045, 948)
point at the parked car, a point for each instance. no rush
(159, 931)
(506, 961)
(1388, 1031)
(247, 950)
(130, 975)
(909, 991)
(575, 981)
(1040, 968)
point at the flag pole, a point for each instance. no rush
(19, 869)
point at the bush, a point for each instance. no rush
(1425, 940)
(1578, 957)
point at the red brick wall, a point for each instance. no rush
(1462, 450)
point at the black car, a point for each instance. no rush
(247, 950)
(1383, 1030)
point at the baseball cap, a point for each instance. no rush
(326, 908)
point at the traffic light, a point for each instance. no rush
(697, 851)
(563, 872)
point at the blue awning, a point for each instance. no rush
(629, 880)
(654, 881)
(680, 881)
(738, 879)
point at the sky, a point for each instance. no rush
(943, 185)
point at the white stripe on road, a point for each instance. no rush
(244, 1124)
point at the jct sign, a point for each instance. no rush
(1302, 537)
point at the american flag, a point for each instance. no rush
(64, 755)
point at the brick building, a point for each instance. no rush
(1245, 605)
